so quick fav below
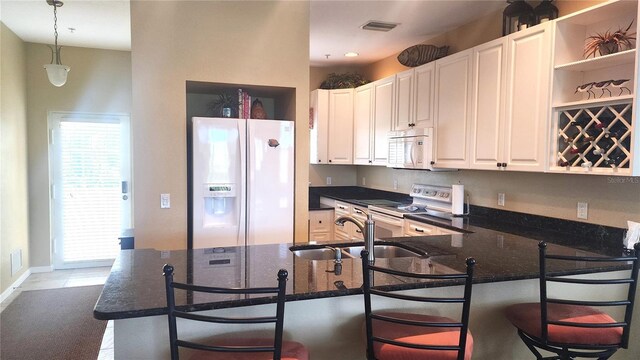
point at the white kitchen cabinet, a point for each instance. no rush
(486, 137)
(416, 228)
(373, 118)
(383, 117)
(340, 141)
(363, 135)
(321, 225)
(452, 110)
(414, 97)
(527, 108)
(424, 83)
(404, 117)
(510, 101)
(319, 133)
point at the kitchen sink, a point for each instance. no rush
(319, 254)
(383, 251)
(380, 251)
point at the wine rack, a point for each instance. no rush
(595, 137)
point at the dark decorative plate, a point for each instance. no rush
(417, 55)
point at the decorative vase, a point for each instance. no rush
(226, 112)
(607, 47)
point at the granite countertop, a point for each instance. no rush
(135, 287)
(503, 243)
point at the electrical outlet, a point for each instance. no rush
(328, 180)
(500, 199)
(165, 201)
(395, 184)
(583, 210)
(364, 181)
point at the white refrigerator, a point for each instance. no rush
(242, 182)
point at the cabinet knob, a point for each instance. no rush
(504, 165)
(319, 221)
(370, 161)
(433, 162)
(498, 164)
(319, 160)
(329, 160)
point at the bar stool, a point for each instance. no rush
(573, 328)
(246, 348)
(406, 336)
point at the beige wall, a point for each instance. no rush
(482, 30)
(612, 200)
(259, 43)
(99, 82)
(14, 215)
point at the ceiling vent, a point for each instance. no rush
(379, 26)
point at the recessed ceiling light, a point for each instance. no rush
(351, 54)
(379, 25)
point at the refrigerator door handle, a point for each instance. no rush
(243, 221)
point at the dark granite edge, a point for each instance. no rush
(346, 292)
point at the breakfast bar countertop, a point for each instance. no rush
(135, 287)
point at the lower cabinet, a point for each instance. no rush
(321, 225)
(417, 228)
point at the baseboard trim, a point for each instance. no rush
(15, 284)
(41, 269)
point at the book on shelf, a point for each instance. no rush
(244, 104)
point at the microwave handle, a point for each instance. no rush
(412, 152)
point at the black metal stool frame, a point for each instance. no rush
(570, 351)
(367, 273)
(173, 314)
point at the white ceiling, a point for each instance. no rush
(102, 24)
(334, 29)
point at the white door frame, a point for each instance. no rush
(53, 120)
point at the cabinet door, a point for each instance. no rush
(404, 100)
(340, 141)
(423, 95)
(527, 98)
(319, 104)
(382, 118)
(362, 125)
(487, 104)
(321, 221)
(453, 88)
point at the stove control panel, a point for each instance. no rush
(429, 192)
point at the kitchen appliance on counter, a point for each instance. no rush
(242, 182)
(439, 201)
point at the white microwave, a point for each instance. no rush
(411, 149)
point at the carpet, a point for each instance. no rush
(52, 324)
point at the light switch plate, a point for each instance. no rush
(500, 199)
(395, 184)
(165, 201)
(328, 180)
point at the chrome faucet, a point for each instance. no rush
(367, 230)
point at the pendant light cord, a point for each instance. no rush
(55, 31)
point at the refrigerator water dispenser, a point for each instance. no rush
(219, 205)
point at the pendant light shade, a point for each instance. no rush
(56, 72)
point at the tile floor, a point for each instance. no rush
(69, 278)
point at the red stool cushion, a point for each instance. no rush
(291, 350)
(417, 335)
(526, 317)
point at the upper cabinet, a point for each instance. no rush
(452, 110)
(362, 124)
(527, 98)
(319, 105)
(340, 141)
(510, 96)
(383, 112)
(414, 97)
(594, 97)
(331, 137)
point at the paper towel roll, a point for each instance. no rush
(457, 199)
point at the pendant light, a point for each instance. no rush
(518, 15)
(56, 72)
